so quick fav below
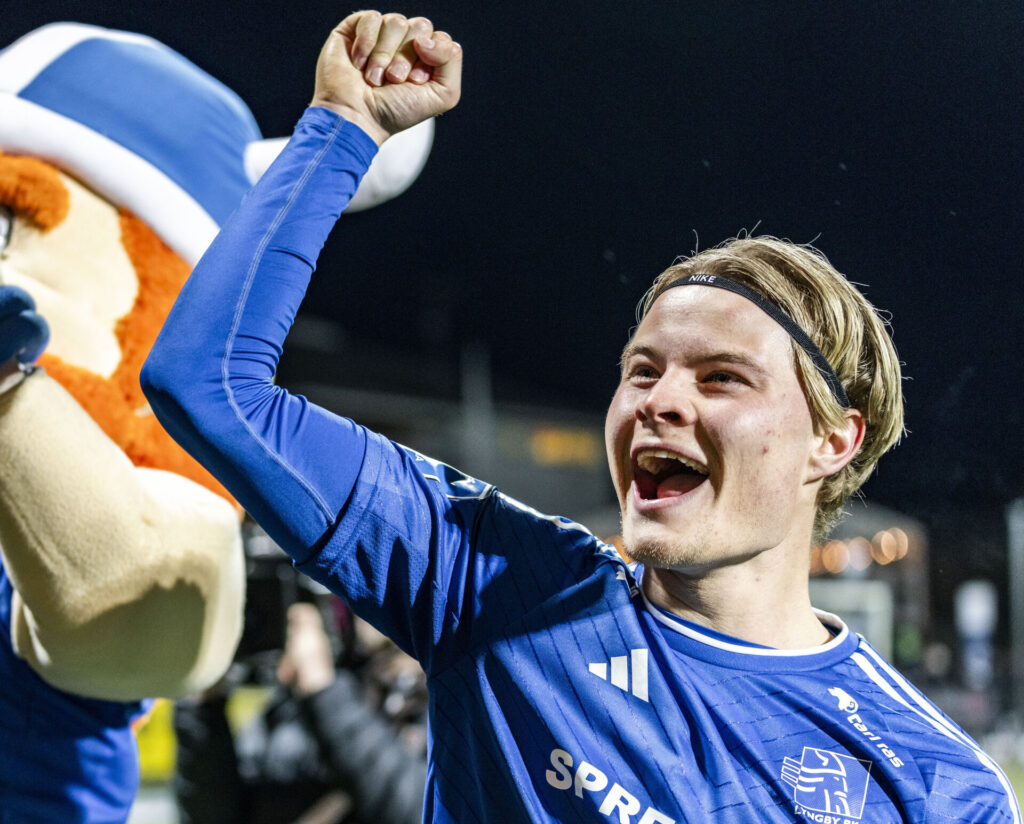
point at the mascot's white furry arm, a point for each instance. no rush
(119, 159)
(128, 581)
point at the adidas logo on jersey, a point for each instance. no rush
(625, 671)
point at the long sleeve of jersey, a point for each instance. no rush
(209, 378)
(384, 527)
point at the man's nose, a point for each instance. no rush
(670, 401)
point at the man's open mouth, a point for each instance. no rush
(661, 473)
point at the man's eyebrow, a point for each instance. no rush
(634, 349)
(724, 356)
(737, 358)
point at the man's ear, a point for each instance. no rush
(835, 448)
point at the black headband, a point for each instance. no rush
(780, 317)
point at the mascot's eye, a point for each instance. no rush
(6, 225)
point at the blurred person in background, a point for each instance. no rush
(333, 744)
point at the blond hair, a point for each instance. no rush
(850, 332)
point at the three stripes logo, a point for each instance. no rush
(628, 673)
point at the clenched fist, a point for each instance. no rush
(387, 72)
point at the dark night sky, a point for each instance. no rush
(598, 141)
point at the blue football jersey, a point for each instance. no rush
(63, 758)
(558, 693)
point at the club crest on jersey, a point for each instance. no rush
(828, 787)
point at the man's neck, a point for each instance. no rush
(762, 601)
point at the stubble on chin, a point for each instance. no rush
(664, 551)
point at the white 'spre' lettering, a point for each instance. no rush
(588, 777)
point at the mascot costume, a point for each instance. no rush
(121, 566)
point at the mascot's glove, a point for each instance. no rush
(23, 332)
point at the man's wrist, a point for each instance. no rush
(377, 133)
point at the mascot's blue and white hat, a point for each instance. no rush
(150, 131)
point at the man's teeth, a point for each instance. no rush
(657, 461)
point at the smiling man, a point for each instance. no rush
(733, 441)
(697, 685)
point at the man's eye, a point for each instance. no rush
(6, 227)
(643, 373)
(720, 377)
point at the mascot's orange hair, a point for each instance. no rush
(34, 190)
